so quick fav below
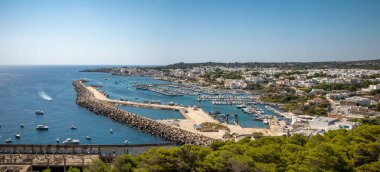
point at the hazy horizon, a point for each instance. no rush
(149, 32)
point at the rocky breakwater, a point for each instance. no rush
(86, 99)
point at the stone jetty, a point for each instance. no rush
(86, 99)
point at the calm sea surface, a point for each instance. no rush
(23, 89)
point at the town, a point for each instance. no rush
(312, 100)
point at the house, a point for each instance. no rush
(317, 91)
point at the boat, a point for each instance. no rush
(22, 125)
(42, 127)
(9, 140)
(88, 138)
(260, 118)
(73, 127)
(265, 121)
(111, 131)
(241, 106)
(57, 140)
(39, 112)
(17, 135)
(125, 142)
(70, 141)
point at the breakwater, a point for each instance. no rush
(87, 99)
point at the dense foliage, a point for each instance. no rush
(338, 150)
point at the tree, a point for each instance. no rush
(124, 163)
(98, 166)
(73, 169)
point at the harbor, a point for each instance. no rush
(120, 91)
(194, 116)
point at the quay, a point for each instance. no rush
(99, 104)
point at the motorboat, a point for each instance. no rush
(22, 126)
(70, 141)
(126, 142)
(57, 140)
(88, 137)
(9, 140)
(17, 135)
(111, 131)
(241, 106)
(73, 127)
(42, 127)
(39, 112)
(265, 121)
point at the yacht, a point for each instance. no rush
(42, 127)
(17, 135)
(70, 141)
(88, 138)
(9, 140)
(39, 112)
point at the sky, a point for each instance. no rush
(159, 32)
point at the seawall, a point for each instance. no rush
(87, 100)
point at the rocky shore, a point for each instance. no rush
(87, 100)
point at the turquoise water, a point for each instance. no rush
(155, 114)
(22, 89)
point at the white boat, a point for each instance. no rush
(125, 142)
(241, 106)
(70, 141)
(57, 140)
(42, 127)
(9, 140)
(88, 138)
(265, 121)
(73, 127)
(17, 135)
(39, 112)
(111, 131)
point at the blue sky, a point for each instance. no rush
(169, 31)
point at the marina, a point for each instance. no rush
(124, 92)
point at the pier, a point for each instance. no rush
(99, 104)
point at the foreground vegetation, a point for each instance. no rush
(339, 150)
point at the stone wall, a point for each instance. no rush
(87, 100)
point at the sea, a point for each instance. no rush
(25, 89)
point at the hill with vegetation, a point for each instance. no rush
(362, 64)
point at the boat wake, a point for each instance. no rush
(44, 95)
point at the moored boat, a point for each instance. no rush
(39, 112)
(17, 135)
(70, 141)
(88, 137)
(9, 140)
(42, 127)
